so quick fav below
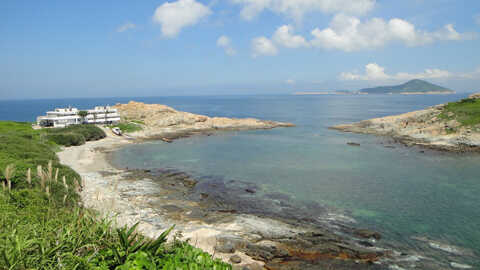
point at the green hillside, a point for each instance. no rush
(413, 86)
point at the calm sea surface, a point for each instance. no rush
(401, 192)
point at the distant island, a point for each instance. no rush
(412, 87)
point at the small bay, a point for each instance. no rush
(399, 191)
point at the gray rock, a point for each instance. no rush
(235, 259)
(226, 247)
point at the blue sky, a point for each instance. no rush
(208, 47)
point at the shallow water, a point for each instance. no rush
(398, 191)
(401, 191)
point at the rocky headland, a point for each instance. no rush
(449, 127)
(161, 121)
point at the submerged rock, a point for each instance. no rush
(368, 234)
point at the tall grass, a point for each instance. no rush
(43, 226)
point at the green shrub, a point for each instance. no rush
(67, 139)
(89, 132)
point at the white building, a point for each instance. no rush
(63, 117)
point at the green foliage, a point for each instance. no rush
(89, 132)
(465, 111)
(128, 127)
(82, 114)
(67, 139)
(37, 231)
(26, 148)
(40, 230)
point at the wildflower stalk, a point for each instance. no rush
(29, 176)
(65, 182)
(50, 170)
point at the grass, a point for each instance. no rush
(42, 225)
(465, 111)
(129, 127)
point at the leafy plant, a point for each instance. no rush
(52, 231)
(82, 114)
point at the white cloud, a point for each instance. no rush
(263, 46)
(297, 8)
(225, 43)
(176, 15)
(125, 27)
(284, 37)
(350, 34)
(374, 72)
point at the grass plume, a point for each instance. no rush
(9, 173)
(29, 176)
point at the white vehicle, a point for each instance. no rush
(117, 131)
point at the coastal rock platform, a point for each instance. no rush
(425, 128)
(161, 121)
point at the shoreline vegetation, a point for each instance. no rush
(44, 224)
(452, 127)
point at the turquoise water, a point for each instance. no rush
(401, 192)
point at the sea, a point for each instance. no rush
(402, 192)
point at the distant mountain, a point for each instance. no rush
(411, 87)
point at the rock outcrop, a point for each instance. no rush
(163, 121)
(424, 128)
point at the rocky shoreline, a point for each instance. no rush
(163, 122)
(425, 128)
(227, 218)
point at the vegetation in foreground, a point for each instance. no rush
(42, 225)
(465, 111)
